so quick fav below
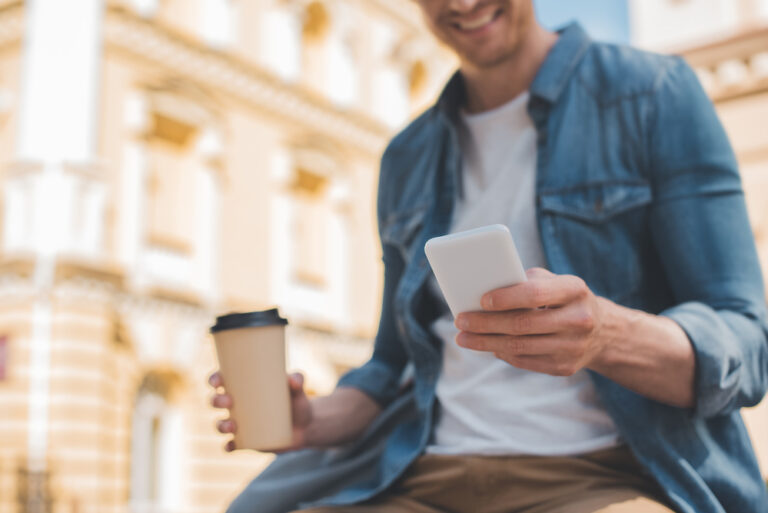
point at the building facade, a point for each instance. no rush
(726, 42)
(167, 161)
(170, 160)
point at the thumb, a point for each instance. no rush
(538, 273)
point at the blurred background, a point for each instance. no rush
(164, 161)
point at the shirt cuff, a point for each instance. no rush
(375, 379)
(718, 358)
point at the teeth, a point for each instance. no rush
(476, 24)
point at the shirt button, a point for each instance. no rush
(599, 206)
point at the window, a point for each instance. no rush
(169, 184)
(281, 42)
(391, 95)
(343, 71)
(390, 82)
(310, 233)
(171, 188)
(218, 22)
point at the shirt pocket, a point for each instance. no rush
(401, 229)
(598, 232)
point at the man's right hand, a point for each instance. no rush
(301, 411)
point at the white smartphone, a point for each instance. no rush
(468, 264)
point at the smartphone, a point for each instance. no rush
(468, 264)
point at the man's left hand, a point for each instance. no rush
(549, 324)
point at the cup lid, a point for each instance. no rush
(248, 320)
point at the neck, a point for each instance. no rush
(492, 86)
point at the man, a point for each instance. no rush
(609, 382)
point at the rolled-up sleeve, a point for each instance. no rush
(703, 238)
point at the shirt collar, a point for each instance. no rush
(550, 81)
(560, 63)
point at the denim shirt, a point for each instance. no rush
(638, 193)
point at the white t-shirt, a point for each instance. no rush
(488, 406)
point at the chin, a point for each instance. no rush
(481, 60)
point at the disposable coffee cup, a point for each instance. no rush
(251, 351)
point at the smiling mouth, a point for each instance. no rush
(477, 23)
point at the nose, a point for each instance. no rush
(463, 6)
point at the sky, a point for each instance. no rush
(606, 20)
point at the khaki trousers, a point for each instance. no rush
(607, 481)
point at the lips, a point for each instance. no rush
(478, 22)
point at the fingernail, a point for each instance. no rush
(461, 322)
(487, 302)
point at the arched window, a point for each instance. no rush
(155, 447)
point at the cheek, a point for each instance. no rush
(522, 17)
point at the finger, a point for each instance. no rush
(296, 382)
(226, 426)
(543, 365)
(515, 322)
(537, 273)
(509, 346)
(230, 446)
(535, 293)
(222, 401)
(215, 380)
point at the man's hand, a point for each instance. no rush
(555, 325)
(301, 411)
(321, 422)
(549, 324)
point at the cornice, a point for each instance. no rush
(224, 73)
(742, 43)
(22, 266)
(732, 67)
(70, 267)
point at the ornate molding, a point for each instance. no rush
(21, 265)
(226, 74)
(180, 54)
(732, 67)
(69, 268)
